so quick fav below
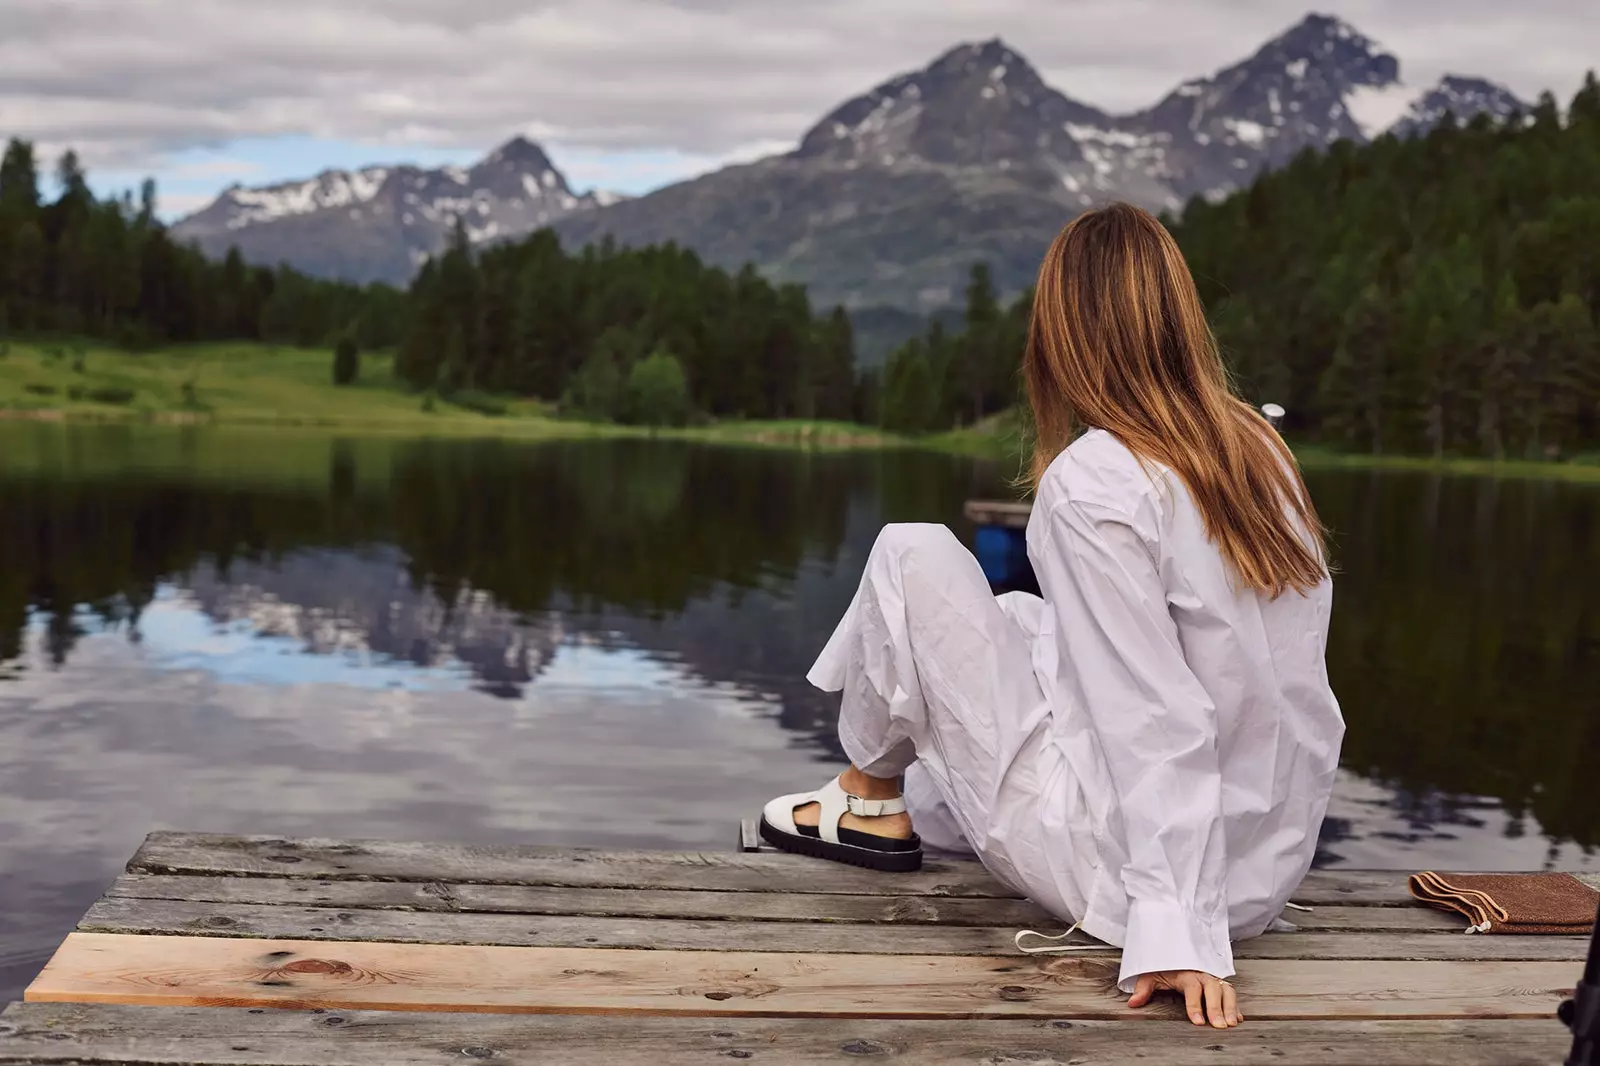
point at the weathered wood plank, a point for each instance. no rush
(40, 1034)
(766, 871)
(213, 971)
(668, 903)
(188, 918)
(185, 918)
(1012, 514)
(336, 860)
(600, 902)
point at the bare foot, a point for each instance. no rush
(893, 826)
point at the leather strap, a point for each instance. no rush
(865, 808)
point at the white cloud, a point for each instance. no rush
(129, 81)
(214, 168)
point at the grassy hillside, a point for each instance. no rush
(253, 384)
(236, 383)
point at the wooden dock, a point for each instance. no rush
(215, 949)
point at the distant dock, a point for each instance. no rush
(1000, 542)
(218, 949)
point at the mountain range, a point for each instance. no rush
(887, 201)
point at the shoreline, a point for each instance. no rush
(794, 434)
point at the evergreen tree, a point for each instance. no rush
(1418, 294)
(598, 390)
(910, 394)
(19, 179)
(979, 350)
(346, 361)
(832, 380)
(658, 391)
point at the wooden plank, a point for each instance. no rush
(769, 871)
(749, 835)
(50, 1034)
(1012, 514)
(1369, 888)
(185, 918)
(345, 860)
(212, 971)
(766, 871)
(598, 902)
(188, 918)
(667, 903)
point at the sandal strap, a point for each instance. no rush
(835, 802)
(865, 808)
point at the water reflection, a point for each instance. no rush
(604, 643)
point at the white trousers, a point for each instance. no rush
(938, 684)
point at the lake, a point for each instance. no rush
(603, 643)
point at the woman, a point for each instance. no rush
(1146, 750)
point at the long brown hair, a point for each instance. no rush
(1119, 341)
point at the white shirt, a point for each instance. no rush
(1196, 717)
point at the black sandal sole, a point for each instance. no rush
(907, 859)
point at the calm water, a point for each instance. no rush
(604, 643)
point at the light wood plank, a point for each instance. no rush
(668, 903)
(209, 971)
(345, 860)
(188, 918)
(1012, 514)
(40, 1034)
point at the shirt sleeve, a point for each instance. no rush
(1121, 664)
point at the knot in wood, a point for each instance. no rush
(333, 966)
(864, 1047)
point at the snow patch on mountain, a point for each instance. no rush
(331, 189)
(407, 210)
(976, 138)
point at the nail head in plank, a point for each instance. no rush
(206, 971)
(41, 1034)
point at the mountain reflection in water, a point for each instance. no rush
(604, 643)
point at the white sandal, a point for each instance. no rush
(827, 841)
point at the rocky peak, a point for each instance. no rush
(1464, 98)
(1318, 81)
(979, 104)
(520, 170)
(521, 153)
(1334, 48)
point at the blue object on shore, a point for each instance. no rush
(1001, 544)
(1002, 552)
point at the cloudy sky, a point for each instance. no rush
(628, 94)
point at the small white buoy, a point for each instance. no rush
(1273, 413)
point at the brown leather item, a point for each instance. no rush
(1512, 903)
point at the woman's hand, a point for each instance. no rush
(1220, 1004)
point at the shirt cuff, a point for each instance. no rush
(1167, 936)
